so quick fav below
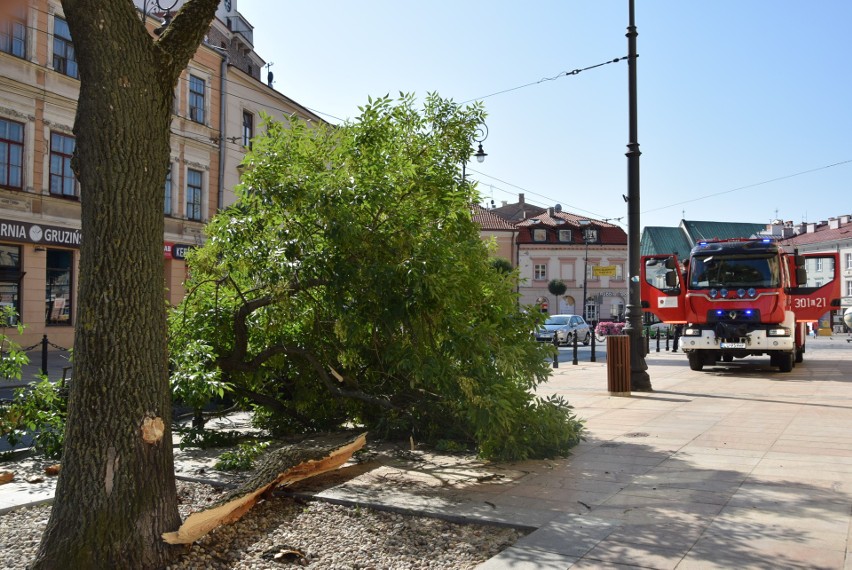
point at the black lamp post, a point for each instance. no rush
(480, 135)
(639, 379)
(584, 225)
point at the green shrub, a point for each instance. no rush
(242, 458)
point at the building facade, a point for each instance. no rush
(588, 256)
(832, 235)
(217, 106)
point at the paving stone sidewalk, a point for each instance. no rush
(738, 466)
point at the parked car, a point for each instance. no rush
(657, 329)
(564, 328)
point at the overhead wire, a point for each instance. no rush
(747, 186)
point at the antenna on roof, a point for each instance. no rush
(557, 208)
(269, 73)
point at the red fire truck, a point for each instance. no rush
(741, 297)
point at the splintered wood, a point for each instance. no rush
(283, 466)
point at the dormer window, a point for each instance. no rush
(565, 236)
(539, 235)
(590, 235)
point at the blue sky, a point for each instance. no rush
(744, 106)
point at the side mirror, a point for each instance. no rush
(801, 276)
(671, 279)
(670, 263)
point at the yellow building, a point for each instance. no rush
(39, 196)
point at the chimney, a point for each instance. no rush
(844, 219)
(505, 203)
(833, 223)
(550, 212)
(520, 198)
(811, 228)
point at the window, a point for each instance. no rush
(196, 99)
(818, 264)
(849, 288)
(62, 182)
(248, 128)
(565, 235)
(539, 271)
(13, 33)
(591, 310)
(10, 280)
(193, 194)
(540, 235)
(848, 264)
(11, 154)
(58, 284)
(590, 235)
(167, 207)
(64, 58)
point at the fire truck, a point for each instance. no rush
(741, 297)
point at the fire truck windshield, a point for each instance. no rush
(734, 271)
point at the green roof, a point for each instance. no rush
(657, 240)
(697, 231)
(680, 240)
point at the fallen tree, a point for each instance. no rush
(349, 285)
(281, 467)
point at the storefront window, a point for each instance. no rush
(58, 293)
(10, 280)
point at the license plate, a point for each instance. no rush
(733, 345)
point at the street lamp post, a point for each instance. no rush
(584, 225)
(480, 135)
(639, 379)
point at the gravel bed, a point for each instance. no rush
(283, 532)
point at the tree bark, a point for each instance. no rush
(116, 493)
(281, 467)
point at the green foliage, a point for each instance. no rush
(501, 264)
(40, 408)
(349, 285)
(207, 438)
(242, 458)
(196, 380)
(557, 287)
(12, 359)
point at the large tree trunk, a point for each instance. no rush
(116, 493)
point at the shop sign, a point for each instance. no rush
(179, 250)
(175, 250)
(604, 270)
(25, 232)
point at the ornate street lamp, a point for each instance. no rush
(479, 135)
(584, 226)
(639, 379)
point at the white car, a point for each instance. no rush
(564, 328)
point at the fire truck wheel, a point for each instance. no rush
(727, 358)
(696, 361)
(800, 355)
(786, 362)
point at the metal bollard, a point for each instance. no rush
(676, 339)
(44, 355)
(658, 340)
(592, 358)
(556, 346)
(575, 349)
(667, 341)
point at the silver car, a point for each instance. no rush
(564, 328)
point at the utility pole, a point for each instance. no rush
(639, 379)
